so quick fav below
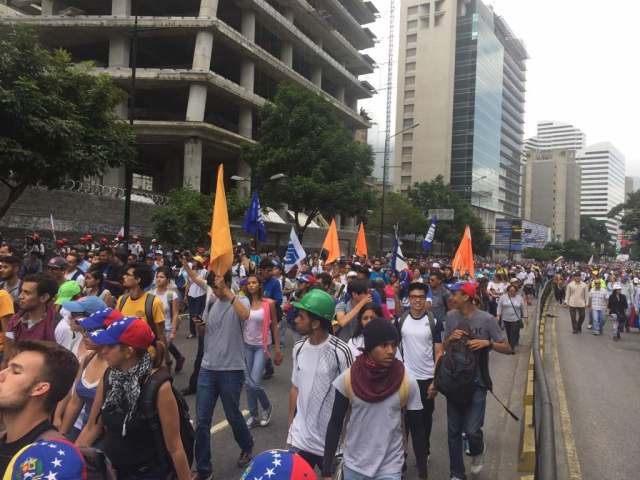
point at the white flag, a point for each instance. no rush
(295, 252)
(53, 228)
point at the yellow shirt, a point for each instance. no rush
(6, 309)
(135, 308)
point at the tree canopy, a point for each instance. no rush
(58, 119)
(594, 231)
(401, 211)
(325, 167)
(436, 194)
(630, 210)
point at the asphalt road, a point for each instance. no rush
(501, 431)
(600, 380)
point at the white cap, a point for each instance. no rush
(435, 265)
(617, 286)
(352, 274)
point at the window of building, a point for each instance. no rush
(407, 137)
(408, 109)
(411, 52)
(412, 24)
(407, 122)
(407, 151)
(410, 66)
(405, 180)
(412, 10)
(142, 182)
(409, 80)
(412, 38)
(406, 166)
(409, 93)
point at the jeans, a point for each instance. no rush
(255, 360)
(420, 437)
(597, 320)
(196, 307)
(576, 323)
(513, 333)
(351, 475)
(467, 418)
(228, 386)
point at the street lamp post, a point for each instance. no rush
(385, 167)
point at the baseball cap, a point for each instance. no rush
(57, 262)
(352, 274)
(100, 319)
(279, 465)
(306, 278)
(130, 331)
(150, 255)
(468, 288)
(58, 459)
(87, 304)
(435, 265)
(617, 286)
(199, 259)
(67, 291)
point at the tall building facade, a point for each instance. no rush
(461, 76)
(553, 135)
(603, 182)
(205, 67)
(551, 191)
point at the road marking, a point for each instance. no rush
(573, 463)
(224, 424)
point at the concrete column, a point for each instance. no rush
(203, 50)
(247, 75)
(192, 175)
(201, 62)
(286, 54)
(197, 102)
(51, 7)
(245, 123)
(121, 8)
(248, 25)
(208, 8)
(119, 46)
(316, 75)
(340, 93)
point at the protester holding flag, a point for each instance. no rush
(253, 222)
(427, 243)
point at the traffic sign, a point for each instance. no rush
(441, 213)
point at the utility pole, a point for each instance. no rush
(128, 177)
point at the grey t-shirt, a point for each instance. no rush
(380, 451)
(439, 300)
(223, 343)
(483, 326)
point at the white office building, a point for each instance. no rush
(559, 135)
(603, 182)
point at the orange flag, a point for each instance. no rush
(221, 245)
(463, 261)
(361, 242)
(332, 244)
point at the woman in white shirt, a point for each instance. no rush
(171, 306)
(496, 288)
(510, 314)
(367, 313)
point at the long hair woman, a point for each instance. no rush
(171, 306)
(116, 412)
(258, 331)
(93, 287)
(365, 315)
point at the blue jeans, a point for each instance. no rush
(597, 320)
(255, 359)
(228, 386)
(351, 475)
(467, 418)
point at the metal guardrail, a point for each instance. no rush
(545, 455)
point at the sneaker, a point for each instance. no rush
(265, 418)
(252, 422)
(244, 459)
(594, 332)
(477, 462)
(589, 326)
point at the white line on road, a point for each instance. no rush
(224, 424)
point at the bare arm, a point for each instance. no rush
(275, 335)
(70, 413)
(193, 275)
(293, 402)
(170, 423)
(344, 318)
(93, 429)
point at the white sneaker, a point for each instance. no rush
(265, 418)
(477, 462)
(252, 422)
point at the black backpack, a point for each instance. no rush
(149, 413)
(456, 372)
(148, 307)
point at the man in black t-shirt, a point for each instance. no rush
(36, 379)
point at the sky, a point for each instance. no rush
(584, 68)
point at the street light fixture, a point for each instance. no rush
(385, 167)
(272, 178)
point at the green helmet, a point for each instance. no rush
(319, 303)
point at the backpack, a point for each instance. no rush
(98, 464)
(149, 413)
(456, 372)
(180, 281)
(148, 307)
(404, 388)
(432, 326)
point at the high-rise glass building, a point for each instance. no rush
(462, 77)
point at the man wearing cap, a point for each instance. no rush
(56, 268)
(481, 333)
(112, 270)
(576, 297)
(38, 377)
(67, 292)
(375, 390)
(271, 288)
(318, 359)
(36, 319)
(72, 270)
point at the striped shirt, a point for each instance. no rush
(598, 299)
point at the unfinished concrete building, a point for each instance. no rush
(205, 67)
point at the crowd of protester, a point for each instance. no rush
(89, 334)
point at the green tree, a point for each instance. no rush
(401, 211)
(186, 220)
(594, 231)
(326, 168)
(437, 194)
(538, 254)
(579, 250)
(57, 118)
(630, 210)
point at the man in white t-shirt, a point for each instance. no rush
(374, 391)
(318, 359)
(420, 349)
(196, 295)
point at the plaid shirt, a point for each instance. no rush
(599, 299)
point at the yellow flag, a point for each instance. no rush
(332, 244)
(221, 245)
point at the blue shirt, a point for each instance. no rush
(273, 290)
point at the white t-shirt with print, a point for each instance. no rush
(417, 346)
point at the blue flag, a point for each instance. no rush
(253, 222)
(427, 243)
(295, 252)
(398, 260)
